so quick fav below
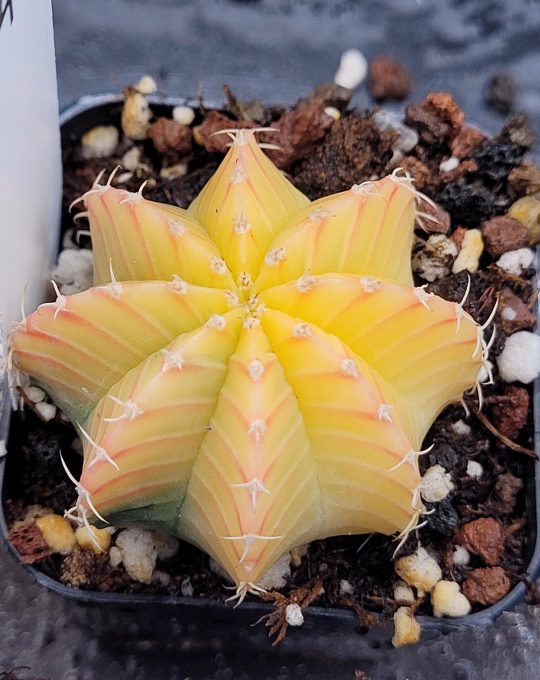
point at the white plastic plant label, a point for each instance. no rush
(30, 165)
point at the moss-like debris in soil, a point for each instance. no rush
(350, 151)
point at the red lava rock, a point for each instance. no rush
(169, 136)
(28, 541)
(421, 173)
(439, 225)
(458, 236)
(525, 179)
(513, 314)
(299, 129)
(484, 537)
(510, 410)
(388, 79)
(214, 122)
(506, 490)
(502, 234)
(436, 119)
(486, 586)
(466, 141)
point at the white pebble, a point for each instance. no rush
(293, 615)
(345, 588)
(146, 85)
(99, 142)
(515, 261)
(484, 372)
(460, 427)
(461, 556)
(448, 600)
(186, 587)
(352, 69)
(139, 553)
(333, 112)
(469, 255)
(131, 159)
(474, 469)
(3, 449)
(34, 394)
(406, 628)
(520, 358)
(276, 577)
(74, 271)
(183, 114)
(450, 164)
(403, 593)
(115, 556)
(46, 411)
(435, 258)
(173, 171)
(136, 115)
(436, 484)
(419, 570)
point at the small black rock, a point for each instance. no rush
(496, 159)
(468, 205)
(445, 456)
(443, 519)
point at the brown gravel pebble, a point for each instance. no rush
(331, 94)
(502, 234)
(352, 151)
(513, 314)
(441, 223)
(418, 170)
(388, 79)
(518, 130)
(169, 136)
(486, 586)
(506, 490)
(458, 235)
(525, 179)
(28, 541)
(299, 129)
(466, 141)
(436, 119)
(213, 122)
(85, 568)
(484, 537)
(510, 410)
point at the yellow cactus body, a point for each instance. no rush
(256, 372)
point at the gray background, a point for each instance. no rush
(274, 50)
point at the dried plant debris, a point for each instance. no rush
(483, 214)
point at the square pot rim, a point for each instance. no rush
(204, 605)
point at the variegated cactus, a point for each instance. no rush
(256, 372)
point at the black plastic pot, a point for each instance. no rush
(206, 621)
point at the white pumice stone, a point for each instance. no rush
(99, 142)
(448, 600)
(460, 427)
(73, 272)
(131, 159)
(461, 556)
(146, 85)
(469, 256)
(293, 615)
(520, 358)
(483, 373)
(406, 628)
(345, 588)
(450, 164)
(34, 394)
(515, 261)
(46, 411)
(474, 469)
(436, 484)
(333, 112)
(136, 115)
(276, 577)
(139, 553)
(403, 592)
(352, 71)
(419, 570)
(186, 587)
(115, 556)
(183, 114)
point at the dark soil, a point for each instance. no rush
(350, 151)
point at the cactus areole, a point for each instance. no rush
(256, 372)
